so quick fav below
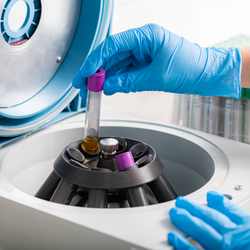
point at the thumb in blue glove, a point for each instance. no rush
(222, 225)
(151, 58)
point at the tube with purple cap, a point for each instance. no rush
(136, 195)
(94, 86)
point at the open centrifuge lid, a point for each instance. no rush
(39, 60)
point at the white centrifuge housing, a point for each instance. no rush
(38, 60)
(195, 163)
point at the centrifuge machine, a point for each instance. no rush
(38, 62)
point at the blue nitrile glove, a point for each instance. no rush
(222, 225)
(151, 58)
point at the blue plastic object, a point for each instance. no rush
(29, 25)
(151, 58)
(58, 95)
(76, 106)
(222, 225)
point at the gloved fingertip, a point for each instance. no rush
(173, 211)
(78, 81)
(214, 197)
(182, 202)
(176, 212)
(83, 93)
(210, 193)
(178, 241)
(171, 237)
(179, 200)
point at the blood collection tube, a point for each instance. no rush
(238, 118)
(213, 118)
(208, 114)
(228, 118)
(196, 112)
(136, 195)
(91, 129)
(218, 117)
(247, 117)
(176, 109)
(185, 110)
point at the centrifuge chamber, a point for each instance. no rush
(195, 162)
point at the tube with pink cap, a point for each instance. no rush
(136, 195)
(91, 129)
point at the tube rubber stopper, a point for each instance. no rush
(125, 160)
(95, 82)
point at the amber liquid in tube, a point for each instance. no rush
(91, 129)
(90, 144)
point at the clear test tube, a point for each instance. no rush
(238, 118)
(196, 112)
(91, 129)
(208, 114)
(185, 110)
(247, 117)
(228, 118)
(176, 109)
(218, 116)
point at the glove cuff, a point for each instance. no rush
(222, 73)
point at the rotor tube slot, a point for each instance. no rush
(46, 191)
(80, 199)
(98, 198)
(162, 189)
(64, 192)
(136, 197)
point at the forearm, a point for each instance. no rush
(245, 72)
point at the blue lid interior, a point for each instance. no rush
(92, 27)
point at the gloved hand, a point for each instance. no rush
(222, 225)
(151, 58)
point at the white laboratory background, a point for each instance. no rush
(205, 22)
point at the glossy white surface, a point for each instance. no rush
(37, 224)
